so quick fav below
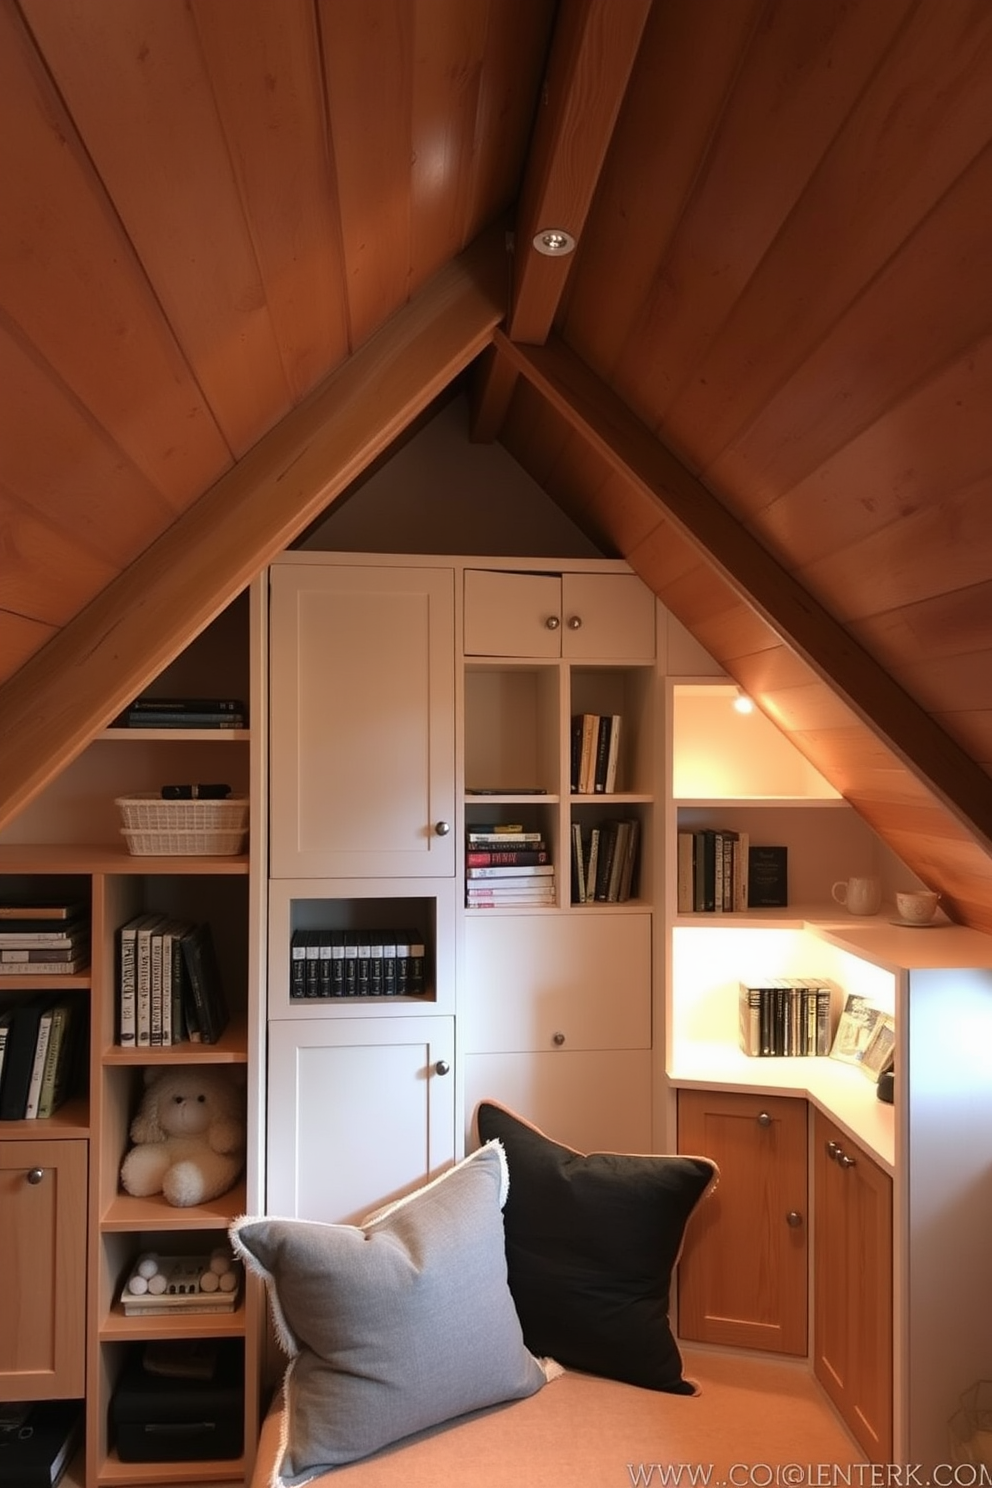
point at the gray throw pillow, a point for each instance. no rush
(396, 1324)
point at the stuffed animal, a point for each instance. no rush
(189, 1134)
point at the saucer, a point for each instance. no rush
(918, 924)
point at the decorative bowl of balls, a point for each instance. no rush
(160, 1285)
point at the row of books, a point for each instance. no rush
(44, 939)
(169, 986)
(38, 1044)
(785, 1017)
(357, 962)
(595, 753)
(183, 712)
(719, 870)
(605, 861)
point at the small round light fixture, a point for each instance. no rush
(555, 242)
(743, 703)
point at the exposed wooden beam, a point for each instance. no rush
(70, 689)
(592, 53)
(608, 425)
(490, 392)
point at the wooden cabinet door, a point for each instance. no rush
(43, 1256)
(742, 1278)
(361, 1111)
(362, 726)
(852, 1306)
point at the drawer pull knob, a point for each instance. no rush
(552, 622)
(575, 622)
(558, 1038)
(845, 1161)
(442, 1067)
(764, 1119)
(833, 1150)
(794, 1219)
(35, 1175)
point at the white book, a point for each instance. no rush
(38, 1068)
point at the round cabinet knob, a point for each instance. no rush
(794, 1219)
(442, 1067)
(552, 622)
(764, 1119)
(442, 828)
(575, 622)
(833, 1151)
(847, 1162)
(35, 1175)
(558, 1038)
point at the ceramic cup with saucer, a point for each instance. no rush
(917, 906)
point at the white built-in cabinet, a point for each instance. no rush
(410, 699)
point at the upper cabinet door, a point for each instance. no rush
(579, 616)
(362, 735)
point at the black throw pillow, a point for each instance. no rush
(591, 1243)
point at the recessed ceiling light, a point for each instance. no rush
(554, 241)
(743, 703)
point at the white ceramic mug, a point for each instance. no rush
(860, 896)
(917, 906)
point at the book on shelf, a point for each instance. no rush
(191, 712)
(502, 837)
(578, 865)
(127, 980)
(6, 1019)
(207, 1000)
(359, 962)
(37, 1441)
(768, 877)
(518, 870)
(59, 1058)
(46, 968)
(52, 912)
(711, 870)
(785, 1017)
(516, 857)
(19, 1055)
(143, 979)
(42, 935)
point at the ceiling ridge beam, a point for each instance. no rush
(601, 418)
(90, 670)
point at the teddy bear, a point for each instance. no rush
(189, 1134)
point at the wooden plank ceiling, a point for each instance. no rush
(763, 376)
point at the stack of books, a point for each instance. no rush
(169, 987)
(785, 1017)
(605, 861)
(595, 753)
(183, 713)
(37, 1047)
(507, 866)
(357, 962)
(44, 939)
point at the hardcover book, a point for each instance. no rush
(768, 877)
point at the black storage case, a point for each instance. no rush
(158, 1418)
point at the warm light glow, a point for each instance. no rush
(743, 703)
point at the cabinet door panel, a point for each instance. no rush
(592, 1102)
(507, 614)
(358, 1113)
(742, 1276)
(530, 977)
(362, 721)
(852, 1315)
(616, 615)
(43, 1249)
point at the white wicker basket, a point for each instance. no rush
(153, 826)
